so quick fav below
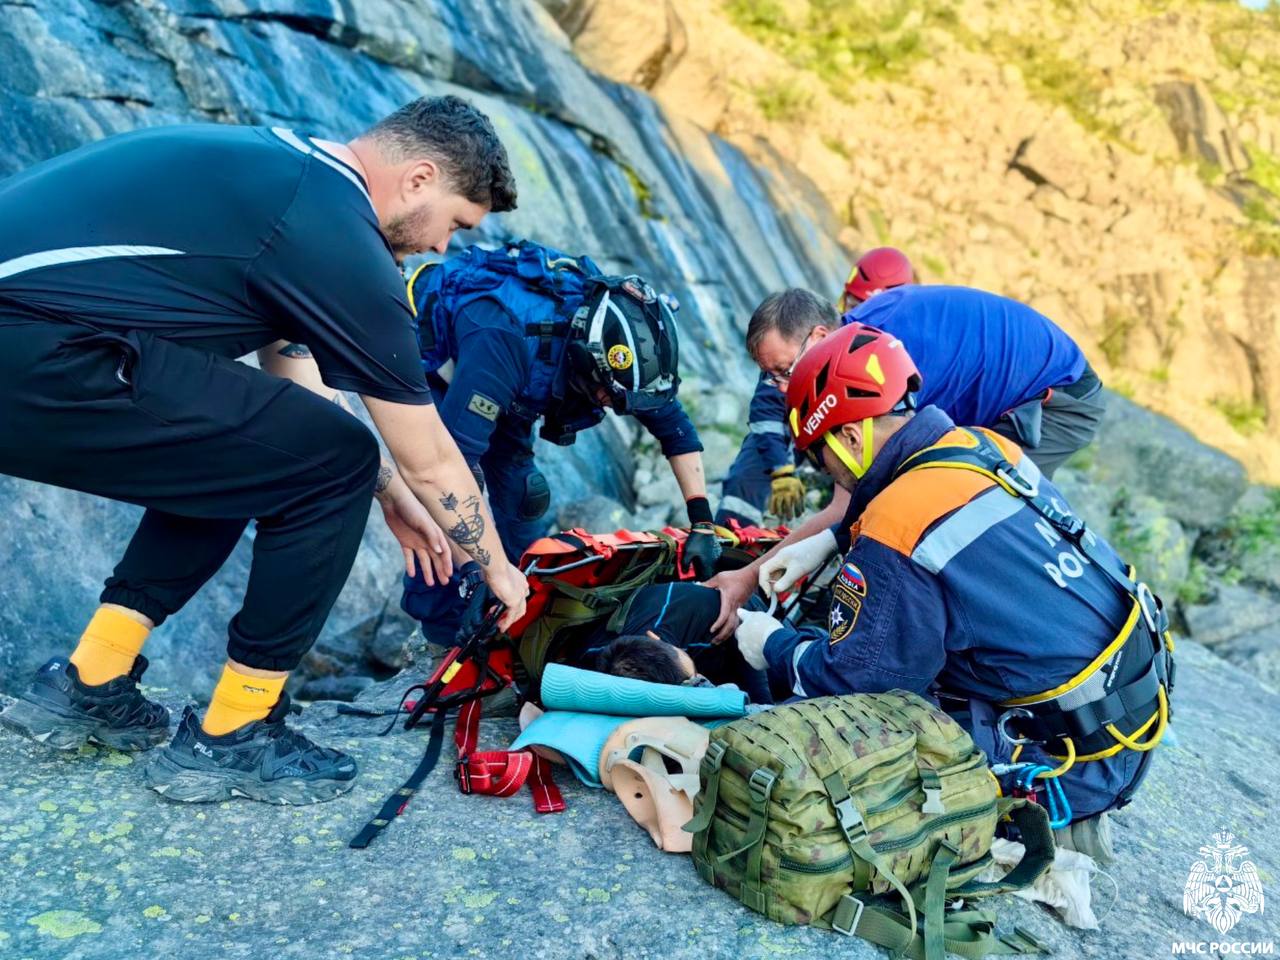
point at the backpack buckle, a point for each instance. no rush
(850, 928)
(933, 801)
(760, 785)
(850, 818)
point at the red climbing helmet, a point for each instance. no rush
(852, 375)
(880, 269)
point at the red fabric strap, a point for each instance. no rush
(500, 773)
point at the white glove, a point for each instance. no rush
(754, 628)
(781, 570)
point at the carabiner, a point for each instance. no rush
(1003, 730)
(1057, 804)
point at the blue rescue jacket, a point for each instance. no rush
(514, 307)
(954, 587)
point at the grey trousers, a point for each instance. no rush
(1050, 432)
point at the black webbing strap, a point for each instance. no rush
(394, 805)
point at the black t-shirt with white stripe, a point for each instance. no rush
(222, 238)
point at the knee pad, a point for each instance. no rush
(536, 497)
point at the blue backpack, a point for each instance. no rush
(539, 290)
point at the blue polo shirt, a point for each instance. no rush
(979, 354)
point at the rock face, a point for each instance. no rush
(1119, 170)
(112, 871)
(601, 168)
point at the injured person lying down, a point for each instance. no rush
(665, 637)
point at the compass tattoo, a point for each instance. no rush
(469, 528)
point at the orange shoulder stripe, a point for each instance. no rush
(900, 514)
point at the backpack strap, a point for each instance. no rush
(848, 816)
(1032, 822)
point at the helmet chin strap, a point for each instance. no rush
(857, 469)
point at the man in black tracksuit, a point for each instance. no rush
(141, 267)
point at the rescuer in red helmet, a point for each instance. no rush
(880, 269)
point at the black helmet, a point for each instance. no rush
(624, 340)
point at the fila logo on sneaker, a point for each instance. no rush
(199, 747)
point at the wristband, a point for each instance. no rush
(699, 510)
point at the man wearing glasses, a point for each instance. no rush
(984, 359)
(762, 478)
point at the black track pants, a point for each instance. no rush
(205, 444)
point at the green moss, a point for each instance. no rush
(1264, 169)
(879, 223)
(837, 146)
(1159, 374)
(1245, 416)
(1195, 588)
(1255, 530)
(64, 924)
(1114, 343)
(935, 265)
(1260, 239)
(1123, 387)
(784, 101)
(844, 41)
(644, 195)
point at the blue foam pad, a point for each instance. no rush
(579, 737)
(586, 691)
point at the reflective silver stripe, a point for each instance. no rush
(55, 258)
(766, 426)
(742, 508)
(963, 527)
(796, 654)
(293, 140)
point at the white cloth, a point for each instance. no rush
(781, 570)
(1064, 886)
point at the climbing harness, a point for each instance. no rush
(1120, 701)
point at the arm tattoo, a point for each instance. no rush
(295, 351)
(469, 529)
(384, 479)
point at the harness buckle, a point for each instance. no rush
(1003, 729)
(852, 926)
(462, 773)
(1149, 605)
(1007, 472)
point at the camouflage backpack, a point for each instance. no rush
(859, 813)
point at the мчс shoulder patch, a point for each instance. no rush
(482, 406)
(845, 607)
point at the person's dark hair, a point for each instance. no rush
(641, 657)
(459, 139)
(793, 313)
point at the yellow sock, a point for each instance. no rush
(239, 699)
(108, 646)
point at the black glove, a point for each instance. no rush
(478, 597)
(702, 550)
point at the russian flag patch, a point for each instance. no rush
(851, 577)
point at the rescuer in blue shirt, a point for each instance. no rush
(762, 478)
